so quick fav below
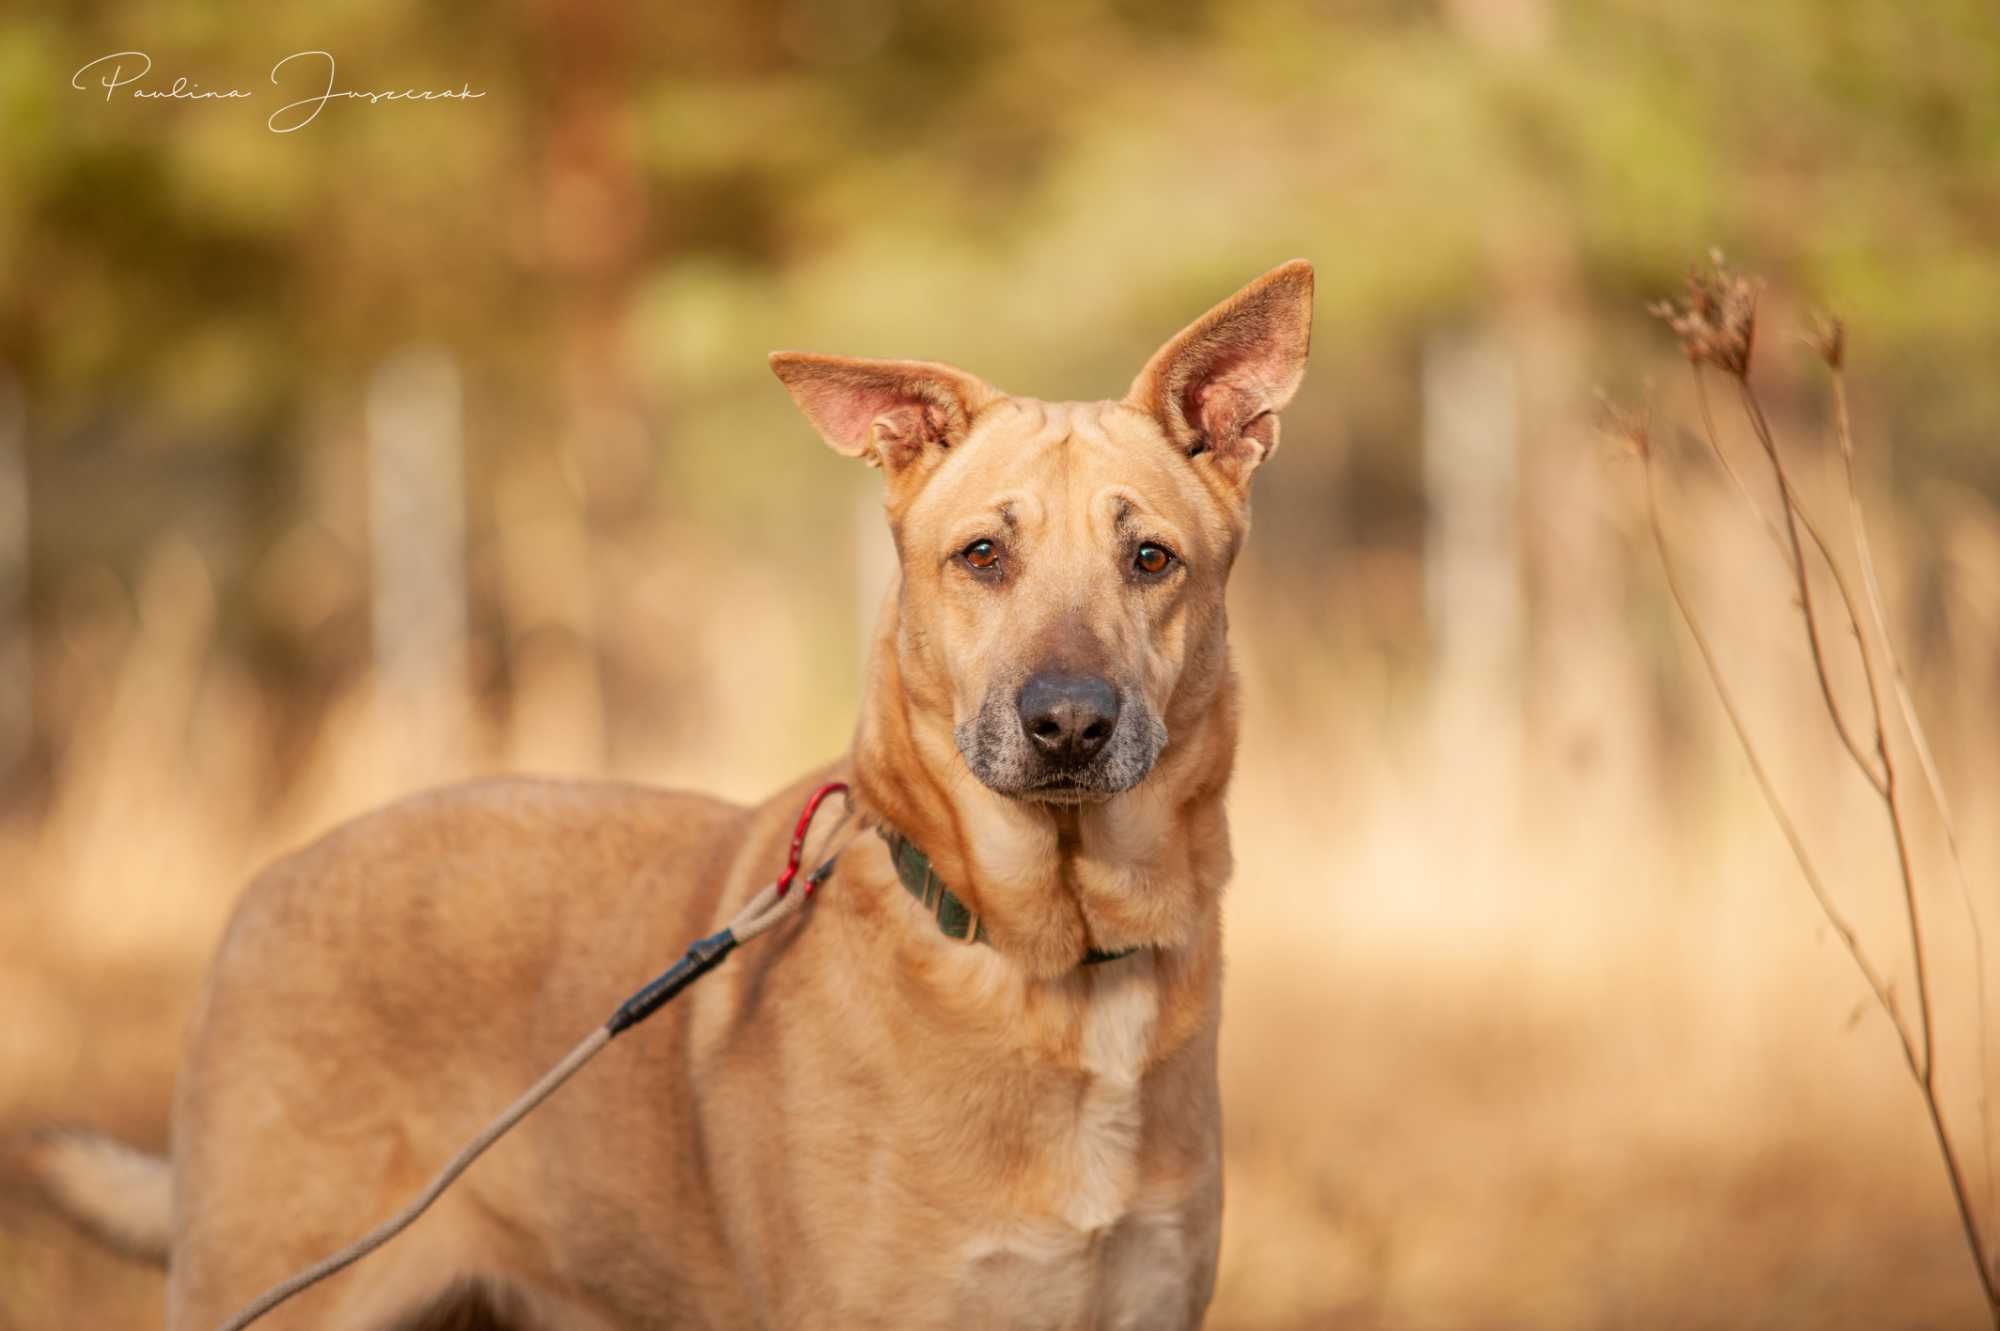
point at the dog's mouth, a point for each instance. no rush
(1063, 790)
(1066, 789)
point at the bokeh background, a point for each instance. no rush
(436, 439)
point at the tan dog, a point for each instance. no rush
(884, 1113)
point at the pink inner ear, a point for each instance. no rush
(906, 428)
(847, 411)
(1218, 384)
(1229, 412)
(885, 412)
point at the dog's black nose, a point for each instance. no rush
(1068, 717)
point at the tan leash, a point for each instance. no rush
(768, 908)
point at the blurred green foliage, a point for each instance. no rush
(647, 199)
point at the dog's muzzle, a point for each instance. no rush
(1062, 738)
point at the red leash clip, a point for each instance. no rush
(805, 823)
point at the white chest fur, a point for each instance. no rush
(1110, 1256)
(1104, 1145)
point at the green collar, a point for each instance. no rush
(955, 919)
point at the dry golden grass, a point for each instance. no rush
(1538, 1035)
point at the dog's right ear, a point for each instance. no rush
(889, 413)
(1218, 386)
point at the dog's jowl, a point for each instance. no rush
(974, 1084)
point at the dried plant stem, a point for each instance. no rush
(1922, 1058)
(1920, 741)
(1708, 432)
(1885, 782)
(1917, 1061)
(1795, 517)
(1927, 1082)
(1814, 883)
(1716, 325)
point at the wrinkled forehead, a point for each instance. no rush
(1072, 465)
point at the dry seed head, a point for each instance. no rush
(1716, 322)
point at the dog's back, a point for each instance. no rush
(458, 940)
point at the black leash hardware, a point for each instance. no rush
(703, 956)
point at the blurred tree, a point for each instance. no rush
(643, 202)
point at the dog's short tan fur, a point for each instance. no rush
(856, 1121)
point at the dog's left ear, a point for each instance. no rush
(889, 413)
(1218, 386)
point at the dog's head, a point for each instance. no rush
(1064, 563)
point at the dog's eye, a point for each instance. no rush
(1153, 560)
(981, 555)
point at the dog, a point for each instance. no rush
(972, 1085)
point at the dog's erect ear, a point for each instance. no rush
(886, 412)
(1218, 386)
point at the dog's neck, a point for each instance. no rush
(1144, 869)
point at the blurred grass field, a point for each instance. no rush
(1515, 1035)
